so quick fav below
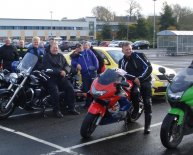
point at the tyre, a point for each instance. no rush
(133, 118)
(5, 113)
(138, 48)
(88, 125)
(171, 133)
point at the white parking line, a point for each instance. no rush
(60, 148)
(69, 149)
(111, 137)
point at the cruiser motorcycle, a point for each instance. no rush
(26, 89)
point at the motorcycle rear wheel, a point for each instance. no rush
(171, 133)
(130, 118)
(88, 125)
(5, 113)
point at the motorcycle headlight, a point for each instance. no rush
(97, 93)
(13, 78)
(175, 96)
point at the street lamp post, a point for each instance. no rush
(127, 27)
(154, 26)
(51, 22)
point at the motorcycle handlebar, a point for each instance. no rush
(42, 74)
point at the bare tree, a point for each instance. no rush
(134, 8)
(180, 12)
(103, 14)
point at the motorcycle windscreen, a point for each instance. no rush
(109, 76)
(27, 63)
(182, 81)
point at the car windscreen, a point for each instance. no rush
(182, 81)
(116, 55)
(109, 76)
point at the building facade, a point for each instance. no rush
(83, 28)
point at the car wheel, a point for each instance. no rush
(138, 48)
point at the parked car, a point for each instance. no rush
(68, 45)
(104, 43)
(112, 56)
(117, 43)
(141, 44)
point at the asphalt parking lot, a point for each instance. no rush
(29, 134)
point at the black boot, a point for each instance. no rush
(147, 123)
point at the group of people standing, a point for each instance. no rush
(86, 60)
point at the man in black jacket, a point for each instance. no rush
(8, 54)
(139, 70)
(56, 61)
(21, 49)
(47, 49)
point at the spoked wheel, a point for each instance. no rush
(5, 112)
(88, 125)
(131, 117)
(171, 133)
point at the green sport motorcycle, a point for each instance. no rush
(179, 120)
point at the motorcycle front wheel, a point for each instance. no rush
(88, 125)
(171, 133)
(6, 112)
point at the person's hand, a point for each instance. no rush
(79, 67)
(137, 82)
(63, 73)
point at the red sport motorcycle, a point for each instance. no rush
(111, 102)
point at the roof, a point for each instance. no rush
(175, 33)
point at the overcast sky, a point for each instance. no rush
(40, 9)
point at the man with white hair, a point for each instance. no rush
(39, 52)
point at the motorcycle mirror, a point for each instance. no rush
(162, 70)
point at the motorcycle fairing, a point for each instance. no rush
(179, 112)
(97, 108)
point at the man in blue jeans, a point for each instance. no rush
(85, 61)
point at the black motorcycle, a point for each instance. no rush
(4, 78)
(26, 89)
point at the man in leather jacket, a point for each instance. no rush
(21, 49)
(139, 70)
(58, 81)
(8, 54)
